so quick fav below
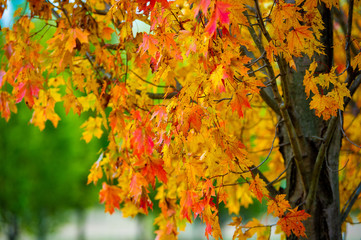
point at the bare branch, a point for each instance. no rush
(153, 84)
(350, 202)
(159, 96)
(343, 132)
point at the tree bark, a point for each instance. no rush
(325, 210)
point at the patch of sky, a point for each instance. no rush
(7, 19)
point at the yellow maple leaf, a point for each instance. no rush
(96, 171)
(339, 92)
(217, 77)
(278, 205)
(324, 105)
(92, 128)
(309, 81)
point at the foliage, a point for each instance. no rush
(188, 107)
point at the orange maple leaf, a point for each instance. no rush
(193, 119)
(110, 195)
(278, 205)
(292, 221)
(149, 43)
(137, 182)
(296, 37)
(186, 202)
(239, 102)
(258, 187)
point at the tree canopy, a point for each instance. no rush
(220, 102)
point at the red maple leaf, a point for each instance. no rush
(154, 168)
(28, 91)
(220, 13)
(141, 142)
(148, 5)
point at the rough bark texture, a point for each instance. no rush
(325, 211)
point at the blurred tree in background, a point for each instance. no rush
(42, 174)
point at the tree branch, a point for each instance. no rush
(348, 38)
(265, 96)
(160, 96)
(319, 161)
(350, 202)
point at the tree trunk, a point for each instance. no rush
(325, 210)
(42, 225)
(80, 222)
(13, 227)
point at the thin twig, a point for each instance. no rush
(153, 84)
(350, 202)
(276, 179)
(256, 60)
(343, 132)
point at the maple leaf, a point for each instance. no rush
(111, 196)
(338, 93)
(145, 202)
(296, 37)
(44, 109)
(116, 120)
(92, 128)
(220, 14)
(292, 222)
(148, 5)
(7, 105)
(2, 74)
(258, 187)
(310, 4)
(28, 91)
(186, 202)
(107, 33)
(193, 119)
(96, 171)
(217, 77)
(203, 5)
(71, 102)
(278, 205)
(324, 105)
(309, 81)
(137, 185)
(239, 102)
(154, 168)
(149, 44)
(142, 142)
